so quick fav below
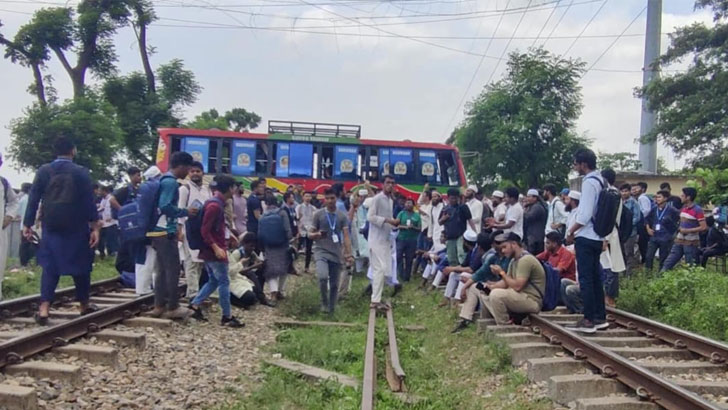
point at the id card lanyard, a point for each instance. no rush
(658, 225)
(332, 225)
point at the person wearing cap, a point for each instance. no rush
(455, 218)
(588, 244)
(381, 224)
(435, 229)
(520, 291)
(433, 257)
(534, 222)
(472, 263)
(572, 203)
(556, 219)
(476, 208)
(514, 214)
(499, 206)
(146, 256)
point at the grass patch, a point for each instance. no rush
(691, 298)
(26, 281)
(447, 371)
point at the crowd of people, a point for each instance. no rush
(505, 254)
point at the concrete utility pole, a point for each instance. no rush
(648, 152)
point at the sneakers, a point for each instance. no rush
(601, 324)
(583, 326)
(197, 313)
(462, 325)
(231, 322)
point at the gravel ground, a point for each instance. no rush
(191, 366)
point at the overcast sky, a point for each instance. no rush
(298, 60)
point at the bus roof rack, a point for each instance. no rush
(314, 128)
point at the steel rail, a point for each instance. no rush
(678, 338)
(20, 348)
(17, 306)
(397, 378)
(370, 373)
(646, 384)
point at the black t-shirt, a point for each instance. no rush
(125, 194)
(457, 224)
(675, 201)
(253, 204)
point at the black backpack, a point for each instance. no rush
(608, 202)
(625, 224)
(59, 202)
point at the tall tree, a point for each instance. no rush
(691, 104)
(523, 126)
(619, 161)
(237, 119)
(25, 50)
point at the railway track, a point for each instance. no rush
(393, 370)
(636, 363)
(21, 338)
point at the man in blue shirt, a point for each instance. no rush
(70, 226)
(662, 224)
(588, 243)
(164, 237)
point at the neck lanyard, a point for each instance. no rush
(661, 214)
(332, 224)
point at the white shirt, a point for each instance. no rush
(379, 231)
(304, 214)
(435, 229)
(425, 210)
(107, 219)
(476, 212)
(515, 214)
(499, 213)
(190, 192)
(557, 214)
(645, 204)
(9, 208)
(590, 188)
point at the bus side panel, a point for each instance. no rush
(163, 151)
(318, 186)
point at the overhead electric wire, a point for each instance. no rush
(615, 40)
(588, 23)
(551, 33)
(553, 10)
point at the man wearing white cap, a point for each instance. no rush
(499, 206)
(573, 198)
(471, 263)
(146, 256)
(514, 214)
(435, 228)
(381, 223)
(476, 208)
(556, 220)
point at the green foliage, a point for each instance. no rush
(691, 104)
(712, 185)
(88, 121)
(26, 281)
(688, 298)
(619, 161)
(530, 116)
(237, 119)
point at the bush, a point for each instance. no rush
(693, 299)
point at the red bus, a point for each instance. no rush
(316, 155)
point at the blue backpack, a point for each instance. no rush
(550, 297)
(193, 226)
(271, 231)
(138, 217)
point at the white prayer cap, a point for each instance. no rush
(152, 172)
(575, 195)
(363, 192)
(470, 236)
(473, 188)
(498, 194)
(532, 192)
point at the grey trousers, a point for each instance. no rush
(327, 273)
(166, 293)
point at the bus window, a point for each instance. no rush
(373, 174)
(300, 160)
(243, 158)
(345, 162)
(327, 162)
(282, 159)
(261, 157)
(428, 167)
(177, 144)
(212, 160)
(225, 157)
(200, 149)
(401, 164)
(384, 168)
(448, 168)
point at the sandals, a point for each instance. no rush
(90, 308)
(40, 320)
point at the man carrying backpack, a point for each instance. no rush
(214, 253)
(192, 192)
(521, 289)
(70, 226)
(164, 236)
(274, 233)
(588, 243)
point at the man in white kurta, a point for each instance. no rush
(380, 226)
(192, 191)
(8, 211)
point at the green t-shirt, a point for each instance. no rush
(527, 266)
(409, 219)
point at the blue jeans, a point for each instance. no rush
(664, 245)
(218, 279)
(405, 256)
(677, 252)
(422, 245)
(590, 280)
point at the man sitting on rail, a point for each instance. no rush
(520, 291)
(472, 263)
(434, 256)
